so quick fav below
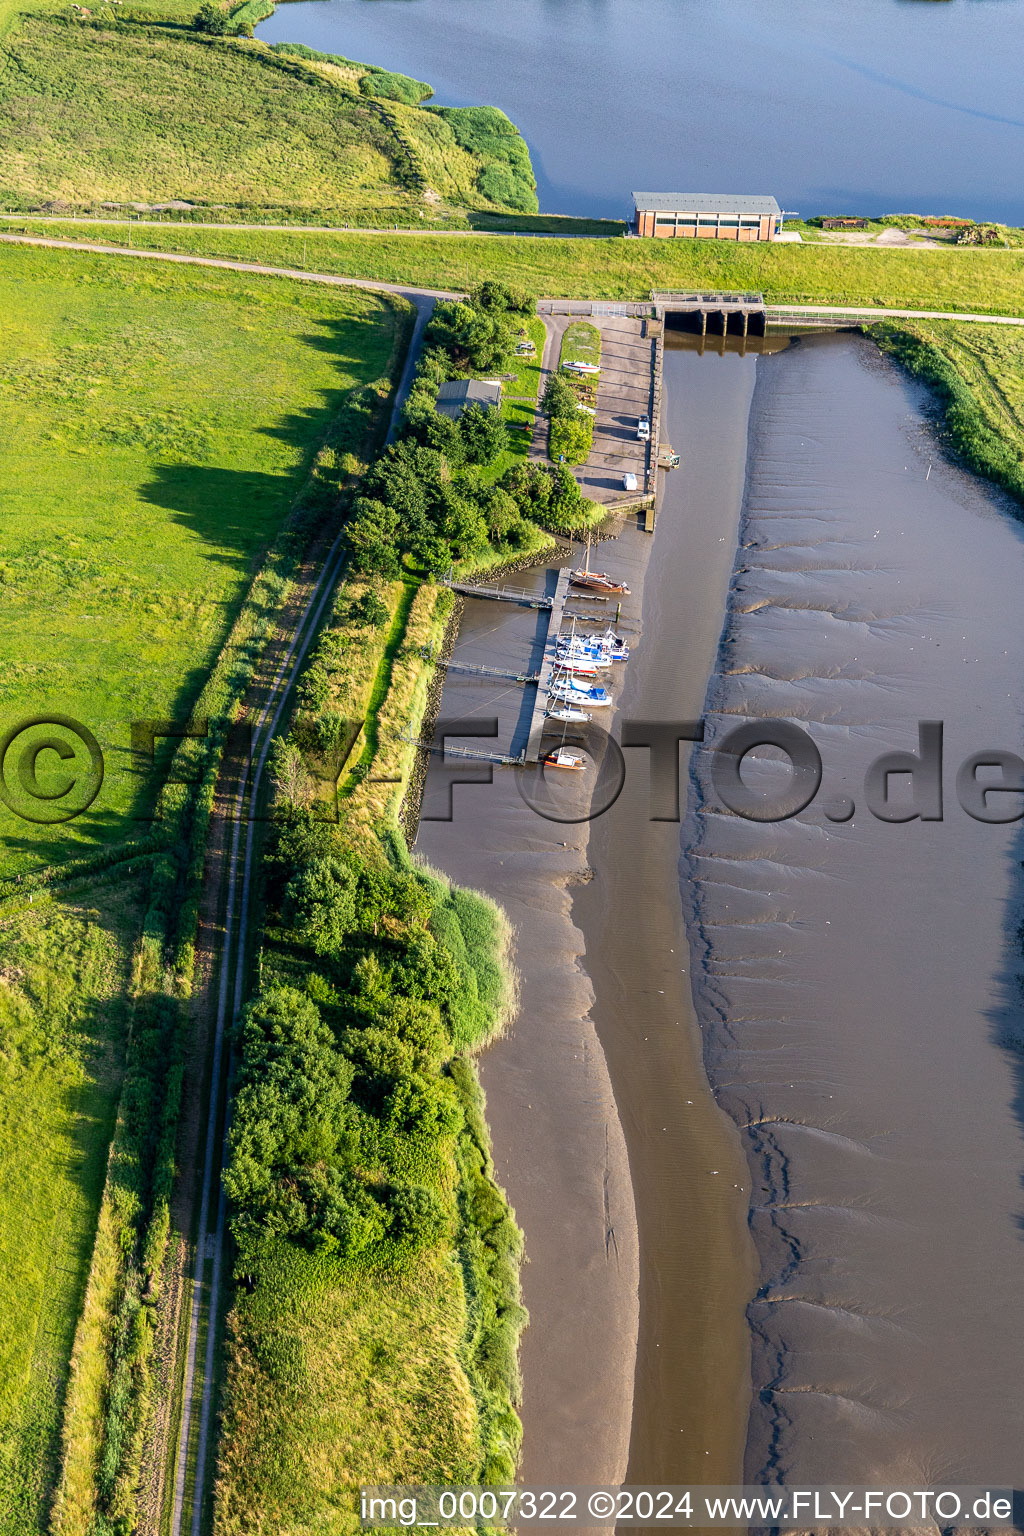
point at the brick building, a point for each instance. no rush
(703, 216)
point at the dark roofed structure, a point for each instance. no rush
(706, 215)
(457, 394)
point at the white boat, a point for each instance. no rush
(580, 693)
(562, 757)
(573, 365)
(577, 660)
(569, 714)
(577, 665)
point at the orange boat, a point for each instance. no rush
(563, 758)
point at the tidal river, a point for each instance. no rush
(759, 1112)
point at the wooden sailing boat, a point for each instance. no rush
(595, 581)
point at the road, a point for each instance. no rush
(410, 291)
(204, 1313)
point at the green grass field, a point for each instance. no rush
(991, 360)
(100, 110)
(64, 1016)
(958, 278)
(157, 427)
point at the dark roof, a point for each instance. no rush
(702, 202)
(453, 397)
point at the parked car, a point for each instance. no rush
(629, 482)
(643, 429)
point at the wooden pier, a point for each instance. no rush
(520, 595)
(473, 753)
(540, 703)
(495, 672)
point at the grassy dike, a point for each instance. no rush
(971, 279)
(96, 922)
(127, 104)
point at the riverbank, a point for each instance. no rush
(604, 1064)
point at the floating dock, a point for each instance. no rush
(540, 703)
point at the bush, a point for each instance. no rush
(382, 83)
(291, 1112)
(418, 1219)
(212, 20)
(492, 295)
(507, 177)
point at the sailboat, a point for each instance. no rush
(567, 691)
(569, 713)
(564, 757)
(595, 581)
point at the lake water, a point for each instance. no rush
(872, 106)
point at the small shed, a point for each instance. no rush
(454, 397)
(844, 223)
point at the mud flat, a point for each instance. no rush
(857, 982)
(603, 1124)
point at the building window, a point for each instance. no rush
(751, 223)
(712, 222)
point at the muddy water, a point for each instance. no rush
(856, 981)
(597, 910)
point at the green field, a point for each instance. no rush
(157, 427)
(106, 110)
(958, 278)
(581, 343)
(64, 1017)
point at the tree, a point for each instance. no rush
(483, 433)
(373, 538)
(464, 525)
(211, 19)
(476, 338)
(287, 769)
(370, 609)
(501, 513)
(497, 297)
(320, 903)
(559, 398)
(571, 438)
(291, 1110)
(441, 433)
